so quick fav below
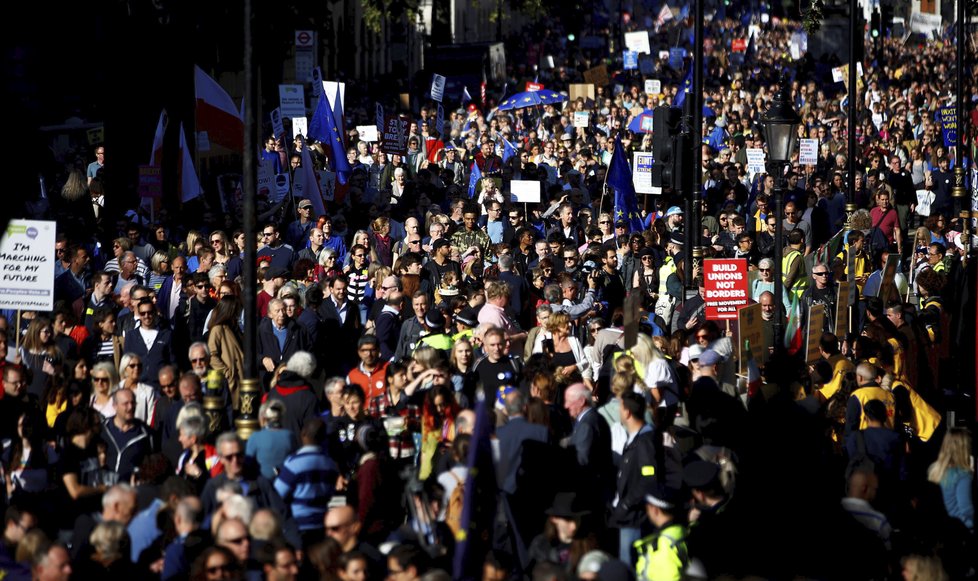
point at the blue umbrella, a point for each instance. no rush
(531, 99)
(642, 123)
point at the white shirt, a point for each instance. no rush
(149, 336)
(174, 298)
(341, 309)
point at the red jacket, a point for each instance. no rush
(373, 384)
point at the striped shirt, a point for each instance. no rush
(306, 482)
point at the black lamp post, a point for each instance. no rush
(780, 133)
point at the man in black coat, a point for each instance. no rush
(341, 326)
(591, 441)
(637, 474)
(279, 337)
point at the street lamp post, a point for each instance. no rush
(780, 133)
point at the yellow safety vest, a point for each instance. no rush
(439, 341)
(801, 281)
(668, 268)
(662, 556)
(865, 394)
(840, 366)
(925, 418)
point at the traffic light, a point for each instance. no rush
(875, 28)
(665, 129)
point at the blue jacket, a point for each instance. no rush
(306, 482)
(956, 489)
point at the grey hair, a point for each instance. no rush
(544, 308)
(506, 262)
(326, 253)
(228, 438)
(766, 262)
(217, 269)
(115, 494)
(190, 510)
(124, 362)
(199, 345)
(332, 384)
(190, 410)
(578, 390)
(107, 367)
(515, 404)
(302, 363)
(194, 426)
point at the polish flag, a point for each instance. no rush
(217, 114)
(189, 184)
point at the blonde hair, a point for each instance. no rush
(955, 453)
(557, 321)
(108, 539)
(921, 568)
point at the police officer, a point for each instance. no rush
(662, 555)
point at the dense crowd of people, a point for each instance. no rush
(450, 388)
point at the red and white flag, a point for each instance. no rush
(156, 156)
(189, 184)
(217, 114)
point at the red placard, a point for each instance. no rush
(738, 45)
(533, 86)
(726, 287)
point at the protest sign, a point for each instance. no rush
(646, 65)
(27, 265)
(597, 76)
(525, 191)
(438, 88)
(949, 126)
(816, 322)
(278, 128)
(750, 330)
(581, 118)
(282, 185)
(379, 115)
(292, 100)
(755, 159)
(150, 182)
(300, 126)
(629, 60)
(584, 91)
(394, 138)
(808, 151)
(368, 133)
(642, 172)
(95, 135)
(653, 86)
(266, 174)
(842, 310)
(531, 87)
(317, 83)
(440, 120)
(676, 56)
(725, 281)
(638, 41)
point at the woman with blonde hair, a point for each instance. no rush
(607, 226)
(954, 473)
(130, 368)
(381, 237)
(564, 350)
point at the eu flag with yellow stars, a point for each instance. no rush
(620, 181)
(322, 128)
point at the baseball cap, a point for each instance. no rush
(709, 357)
(674, 210)
(695, 351)
(305, 204)
(276, 272)
(439, 243)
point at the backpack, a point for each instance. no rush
(875, 240)
(456, 504)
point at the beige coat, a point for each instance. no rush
(227, 356)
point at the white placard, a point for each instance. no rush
(642, 173)
(755, 159)
(278, 129)
(300, 126)
(292, 100)
(653, 86)
(27, 265)
(265, 175)
(638, 41)
(368, 133)
(837, 74)
(581, 118)
(282, 186)
(524, 192)
(808, 151)
(663, 55)
(438, 88)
